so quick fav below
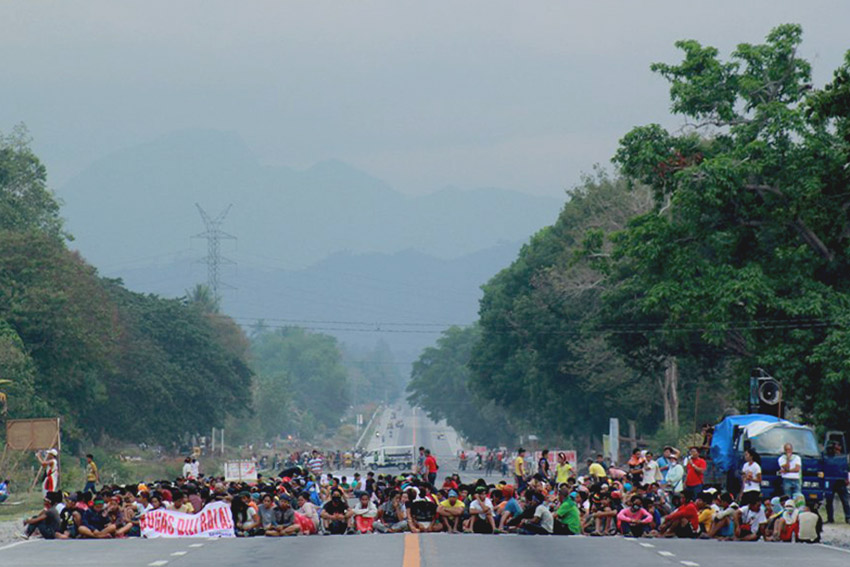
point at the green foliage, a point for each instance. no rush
(25, 201)
(108, 361)
(304, 371)
(440, 384)
(745, 256)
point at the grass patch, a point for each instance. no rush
(20, 505)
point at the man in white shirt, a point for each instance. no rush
(790, 469)
(751, 522)
(481, 512)
(651, 470)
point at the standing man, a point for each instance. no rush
(50, 463)
(695, 474)
(431, 467)
(420, 464)
(92, 475)
(543, 464)
(790, 466)
(519, 469)
(316, 464)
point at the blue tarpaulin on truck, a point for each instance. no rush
(722, 451)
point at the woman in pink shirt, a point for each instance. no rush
(634, 520)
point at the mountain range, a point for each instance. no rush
(329, 247)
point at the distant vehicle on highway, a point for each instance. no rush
(441, 435)
(399, 423)
(399, 456)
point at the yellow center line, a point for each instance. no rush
(411, 551)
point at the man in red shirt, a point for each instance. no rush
(683, 522)
(431, 466)
(695, 474)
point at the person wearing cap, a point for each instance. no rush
(675, 475)
(451, 511)
(542, 521)
(787, 527)
(511, 508)
(567, 516)
(95, 522)
(50, 463)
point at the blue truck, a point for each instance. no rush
(768, 434)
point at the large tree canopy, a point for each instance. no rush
(746, 252)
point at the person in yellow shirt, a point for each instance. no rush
(563, 470)
(596, 470)
(450, 511)
(92, 474)
(519, 469)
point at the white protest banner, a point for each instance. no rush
(215, 520)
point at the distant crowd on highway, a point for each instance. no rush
(646, 497)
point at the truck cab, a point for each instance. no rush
(768, 435)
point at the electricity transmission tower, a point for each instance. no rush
(214, 260)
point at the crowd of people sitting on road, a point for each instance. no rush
(647, 497)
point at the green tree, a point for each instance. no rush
(745, 255)
(440, 383)
(308, 366)
(25, 201)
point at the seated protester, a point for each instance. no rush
(421, 513)
(567, 516)
(285, 520)
(706, 513)
(309, 512)
(655, 513)
(4, 490)
(450, 484)
(95, 522)
(772, 511)
(357, 486)
(267, 511)
(131, 511)
(69, 518)
(118, 518)
(451, 511)
(46, 522)
(335, 513)
(246, 517)
(787, 527)
(750, 521)
(392, 514)
(600, 519)
(481, 513)
(683, 522)
(194, 498)
(179, 503)
(723, 522)
(511, 508)
(542, 522)
(811, 524)
(634, 520)
(364, 514)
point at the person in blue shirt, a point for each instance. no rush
(512, 507)
(4, 490)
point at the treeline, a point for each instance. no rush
(719, 247)
(109, 361)
(306, 382)
(134, 367)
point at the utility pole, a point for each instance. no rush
(214, 260)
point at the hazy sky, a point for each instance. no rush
(522, 95)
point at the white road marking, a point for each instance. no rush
(197, 545)
(17, 543)
(179, 553)
(646, 545)
(689, 563)
(826, 545)
(158, 563)
(666, 554)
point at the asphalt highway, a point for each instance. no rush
(407, 550)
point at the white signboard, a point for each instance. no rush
(240, 471)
